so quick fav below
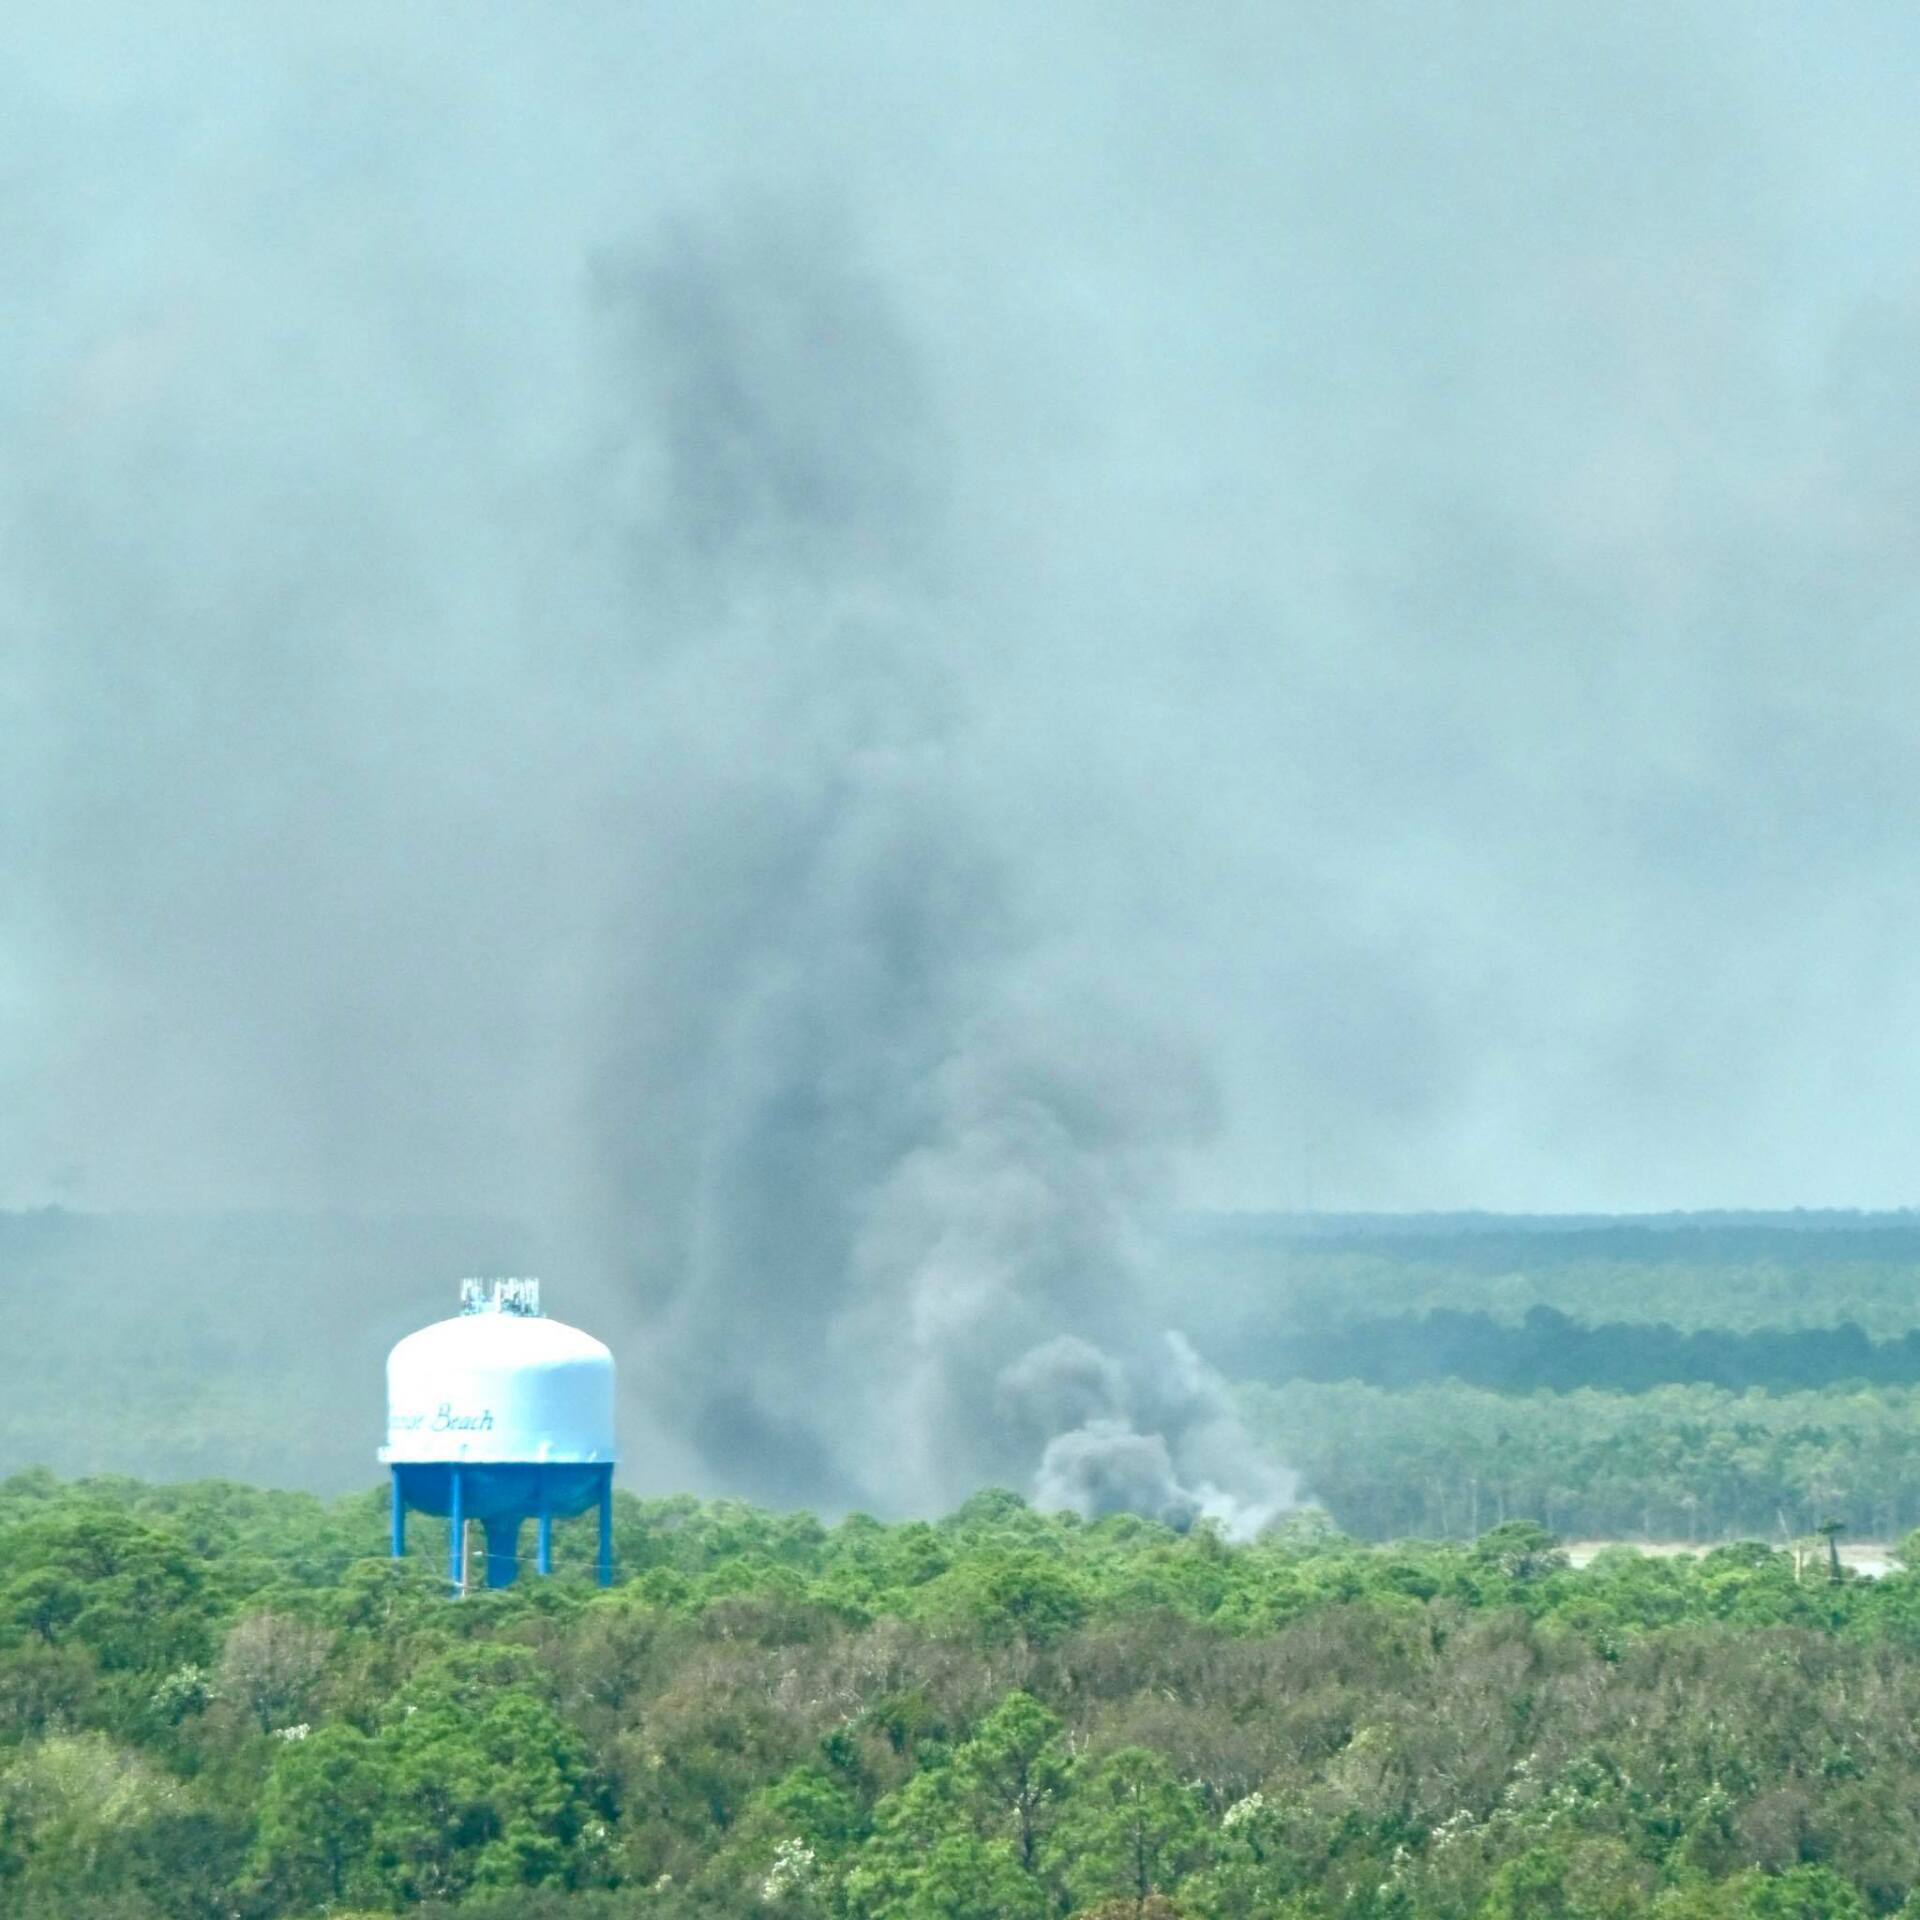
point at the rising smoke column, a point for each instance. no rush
(872, 1157)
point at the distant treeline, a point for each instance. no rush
(1291, 1292)
(1717, 1234)
(237, 1344)
(1678, 1463)
(1550, 1350)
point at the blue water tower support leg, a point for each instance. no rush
(546, 1526)
(606, 1529)
(456, 1539)
(399, 1519)
(503, 1551)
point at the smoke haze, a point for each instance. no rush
(841, 652)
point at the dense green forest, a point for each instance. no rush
(217, 1701)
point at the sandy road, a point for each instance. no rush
(1869, 1557)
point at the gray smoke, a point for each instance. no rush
(1164, 1438)
(833, 652)
(903, 1161)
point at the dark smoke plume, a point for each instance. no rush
(857, 643)
(876, 1172)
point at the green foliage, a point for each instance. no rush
(132, 1595)
(1004, 1716)
(1016, 1598)
(1129, 1831)
(316, 1821)
(486, 1794)
(928, 1859)
(1015, 1770)
(470, 1781)
(1804, 1893)
(1587, 1881)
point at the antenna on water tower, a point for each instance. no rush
(501, 1415)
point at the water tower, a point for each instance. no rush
(501, 1415)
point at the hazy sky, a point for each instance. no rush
(580, 580)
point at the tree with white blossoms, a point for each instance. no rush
(793, 1871)
(1254, 1875)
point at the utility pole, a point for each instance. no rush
(1831, 1530)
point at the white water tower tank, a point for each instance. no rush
(499, 1384)
(501, 1415)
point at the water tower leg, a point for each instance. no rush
(399, 1519)
(456, 1539)
(606, 1529)
(503, 1551)
(546, 1526)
